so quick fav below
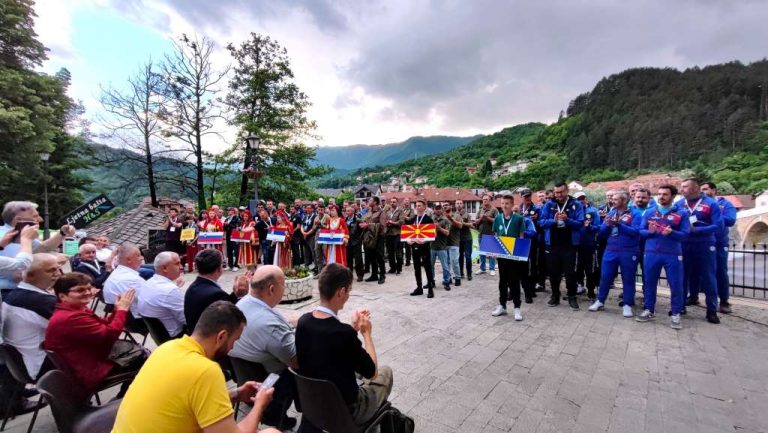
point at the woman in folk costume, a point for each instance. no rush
(212, 224)
(282, 256)
(336, 253)
(249, 251)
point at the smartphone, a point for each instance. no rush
(19, 227)
(270, 381)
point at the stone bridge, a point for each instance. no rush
(751, 227)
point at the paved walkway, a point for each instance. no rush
(457, 369)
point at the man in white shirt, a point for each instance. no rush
(126, 274)
(161, 298)
(27, 308)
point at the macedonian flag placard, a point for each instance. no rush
(425, 232)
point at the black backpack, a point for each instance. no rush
(397, 422)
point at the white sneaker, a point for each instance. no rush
(499, 311)
(481, 271)
(675, 322)
(518, 314)
(645, 316)
(580, 289)
(596, 306)
(628, 311)
(235, 269)
(493, 273)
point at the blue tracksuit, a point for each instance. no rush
(575, 219)
(589, 233)
(728, 213)
(621, 252)
(664, 251)
(699, 247)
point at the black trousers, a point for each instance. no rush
(509, 281)
(586, 268)
(533, 262)
(233, 248)
(562, 263)
(285, 393)
(355, 259)
(541, 261)
(308, 249)
(296, 252)
(408, 250)
(465, 257)
(395, 253)
(421, 258)
(375, 256)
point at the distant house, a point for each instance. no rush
(358, 178)
(575, 186)
(762, 199)
(166, 203)
(364, 192)
(329, 192)
(509, 168)
(744, 201)
(471, 170)
(432, 196)
(493, 161)
(421, 180)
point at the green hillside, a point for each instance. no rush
(709, 120)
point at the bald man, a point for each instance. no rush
(269, 340)
(89, 265)
(126, 274)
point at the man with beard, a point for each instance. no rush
(395, 219)
(355, 243)
(586, 270)
(407, 215)
(536, 265)
(484, 224)
(465, 240)
(232, 222)
(728, 212)
(422, 252)
(374, 224)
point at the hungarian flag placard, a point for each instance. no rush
(505, 247)
(240, 236)
(425, 232)
(210, 238)
(276, 234)
(330, 237)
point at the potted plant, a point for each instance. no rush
(298, 285)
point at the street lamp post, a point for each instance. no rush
(252, 143)
(47, 226)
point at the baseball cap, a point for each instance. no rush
(579, 195)
(525, 192)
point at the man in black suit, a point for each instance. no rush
(88, 265)
(205, 290)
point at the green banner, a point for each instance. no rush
(70, 247)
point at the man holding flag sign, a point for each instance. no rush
(418, 234)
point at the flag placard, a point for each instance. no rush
(424, 232)
(71, 247)
(210, 238)
(330, 237)
(276, 234)
(240, 236)
(505, 247)
(187, 235)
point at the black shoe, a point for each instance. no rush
(391, 271)
(29, 392)
(573, 303)
(381, 280)
(456, 282)
(359, 279)
(398, 272)
(288, 423)
(372, 278)
(692, 301)
(418, 292)
(407, 263)
(430, 293)
(469, 277)
(533, 295)
(712, 317)
(447, 287)
(539, 288)
(25, 406)
(621, 303)
(553, 301)
(725, 308)
(528, 300)
(431, 285)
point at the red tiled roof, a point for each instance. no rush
(741, 201)
(434, 194)
(649, 181)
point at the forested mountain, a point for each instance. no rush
(360, 155)
(710, 120)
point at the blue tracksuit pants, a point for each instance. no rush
(699, 261)
(612, 262)
(673, 267)
(723, 287)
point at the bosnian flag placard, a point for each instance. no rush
(276, 234)
(425, 232)
(505, 247)
(210, 238)
(330, 237)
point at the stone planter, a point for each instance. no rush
(297, 290)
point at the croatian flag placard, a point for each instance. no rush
(276, 234)
(505, 247)
(330, 237)
(210, 238)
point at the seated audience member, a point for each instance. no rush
(182, 389)
(205, 290)
(27, 309)
(161, 297)
(126, 274)
(330, 350)
(268, 339)
(89, 265)
(82, 339)
(103, 252)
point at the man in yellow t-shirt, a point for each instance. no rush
(181, 389)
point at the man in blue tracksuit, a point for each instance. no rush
(699, 248)
(562, 219)
(528, 279)
(532, 212)
(587, 275)
(664, 228)
(622, 227)
(728, 213)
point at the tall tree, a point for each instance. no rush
(192, 83)
(266, 102)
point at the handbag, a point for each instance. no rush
(125, 353)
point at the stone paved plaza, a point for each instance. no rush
(457, 369)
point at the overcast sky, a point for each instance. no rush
(382, 71)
